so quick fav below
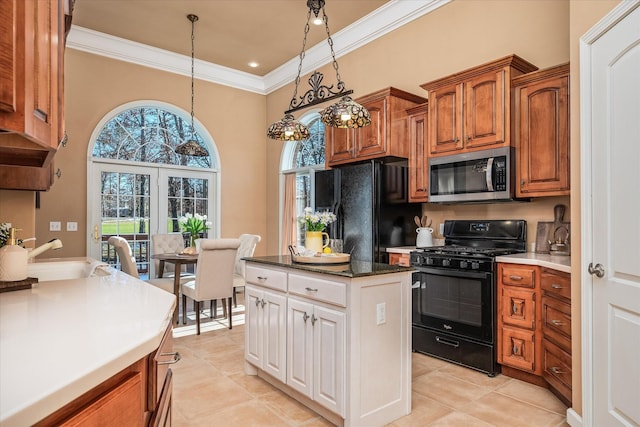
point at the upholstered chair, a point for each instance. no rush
(214, 277)
(128, 263)
(248, 243)
(172, 243)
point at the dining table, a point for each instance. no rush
(178, 260)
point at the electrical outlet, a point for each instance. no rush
(55, 226)
(72, 226)
(381, 313)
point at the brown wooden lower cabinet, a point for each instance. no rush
(534, 326)
(399, 259)
(139, 395)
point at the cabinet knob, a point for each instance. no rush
(305, 316)
(263, 303)
(257, 302)
(313, 319)
(468, 138)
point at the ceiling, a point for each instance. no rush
(230, 33)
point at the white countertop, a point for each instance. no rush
(61, 338)
(556, 262)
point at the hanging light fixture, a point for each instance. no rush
(191, 147)
(346, 113)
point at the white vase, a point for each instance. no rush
(425, 237)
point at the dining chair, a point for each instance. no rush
(128, 263)
(248, 243)
(171, 243)
(214, 278)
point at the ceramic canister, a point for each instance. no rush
(425, 237)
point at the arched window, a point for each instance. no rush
(138, 185)
(300, 160)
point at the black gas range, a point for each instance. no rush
(454, 291)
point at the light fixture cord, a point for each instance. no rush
(193, 20)
(330, 42)
(302, 54)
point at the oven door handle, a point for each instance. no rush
(448, 342)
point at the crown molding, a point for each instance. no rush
(381, 21)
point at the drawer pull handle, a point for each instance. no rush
(305, 316)
(515, 277)
(556, 370)
(257, 302)
(445, 341)
(176, 358)
(313, 319)
(556, 286)
(263, 303)
(514, 350)
(311, 289)
(262, 278)
(555, 322)
(515, 309)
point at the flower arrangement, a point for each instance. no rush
(316, 221)
(4, 233)
(194, 225)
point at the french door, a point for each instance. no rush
(135, 202)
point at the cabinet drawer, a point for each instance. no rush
(267, 277)
(556, 368)
(518, 276)
(399, 259)
(556, 283)
(518, 307)
(556, 322)
(518, 349)
(318, 289)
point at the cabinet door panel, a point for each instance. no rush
(372, 140)
(518, 349)
(253, 342)
(418, 159)
(274, 329)
(544, 137)
(445, 119)
(518, 308)
(556, 322)
(329, 358)
(485, 110)
(300, 346)
(339, 146)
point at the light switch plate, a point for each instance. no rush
(55, 226)
(72, 226)
(381, 313)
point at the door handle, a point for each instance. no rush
(96, 235)
(598, 270)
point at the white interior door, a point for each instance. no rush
(611, 219)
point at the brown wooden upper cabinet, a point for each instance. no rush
(386, 136)
(542, 132)
(471, 110)
(31, 90)
(419, 153)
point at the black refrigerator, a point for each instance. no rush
(370, 201)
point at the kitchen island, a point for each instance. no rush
(335, 337)
(62, 338)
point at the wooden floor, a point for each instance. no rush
(210, 389)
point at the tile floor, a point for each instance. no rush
(210, 389)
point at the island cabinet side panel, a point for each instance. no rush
(379, 337)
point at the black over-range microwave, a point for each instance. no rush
(478, 176)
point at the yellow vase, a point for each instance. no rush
(314, 240)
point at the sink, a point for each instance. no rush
(49, 269)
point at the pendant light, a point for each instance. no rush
(346, 113)
(191, 147)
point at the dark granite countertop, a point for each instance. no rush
(352, 269)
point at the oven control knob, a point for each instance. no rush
(463, 264)
(428, 261)
(475, 265)
(446, 263)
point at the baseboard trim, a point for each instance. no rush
(573, 419)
